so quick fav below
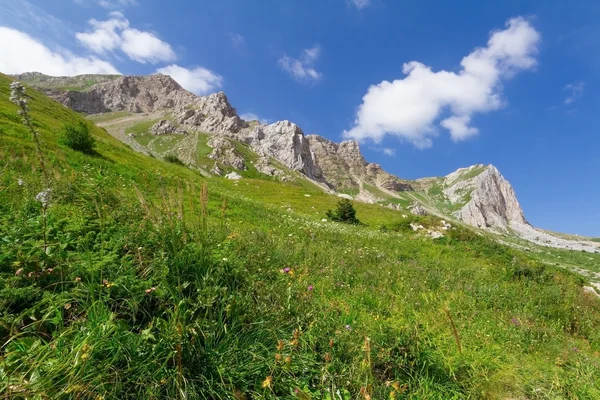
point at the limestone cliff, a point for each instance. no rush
(490, 199)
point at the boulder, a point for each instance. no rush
(233, 176)
(165, 127)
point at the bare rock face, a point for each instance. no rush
(211, 114)
(344, 166)
(164, 127)
(128, 93)
(263, 165)
(285, 142)
(416, 209)
(492, 204)
(225, 153)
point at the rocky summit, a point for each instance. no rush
(477, 195)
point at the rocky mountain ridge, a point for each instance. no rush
(478, 195)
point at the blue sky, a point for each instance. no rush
(524, 102)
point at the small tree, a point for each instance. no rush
(78, 138)
(344, 212)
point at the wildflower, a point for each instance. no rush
(20, 182)
(44, 197)
(365, 393)
(277, 357)
(67, 306)
(327, 357)
(19, 272)
(280, 344)
(294, 342)
(286, 270)
(310, 288)
(152, 289)
(331, 343)
(78, 279)
(107, 284)
(288, 360)
(267, 382)
(348, 328)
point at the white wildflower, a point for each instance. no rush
(44, 197)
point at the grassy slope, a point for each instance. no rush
(145, 293)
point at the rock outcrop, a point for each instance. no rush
(136, 94)
(165, 127)
(225, 153)
(491, 200)
(345, 167)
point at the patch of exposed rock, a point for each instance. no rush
(165, 127)
(285, 142)
(263, 165)
(225, 153)
(233, 176)
(417, 209)
(492, 203)
(137, 94)
(211, 114)
(344, 166)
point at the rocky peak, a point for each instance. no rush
(490, 199)
(127, 93)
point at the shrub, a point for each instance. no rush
(78, 138)
(173, 159)
(345, 212)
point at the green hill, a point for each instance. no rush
(144, 279)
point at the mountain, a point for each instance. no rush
(155, 114)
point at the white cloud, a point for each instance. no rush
(22, 53)
(575, 90)
(198, 80)
(302, 69)
(410, 107)
(360, 4)
(389, 151)
(145, 47)
(253, 117)
(115, 33)
(106, 35)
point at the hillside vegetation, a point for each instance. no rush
(143, 279)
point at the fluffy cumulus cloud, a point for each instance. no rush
(302, 69)
(197, 80)
(575, 91)
(414, 107)
(22, 53)
(116, 33)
